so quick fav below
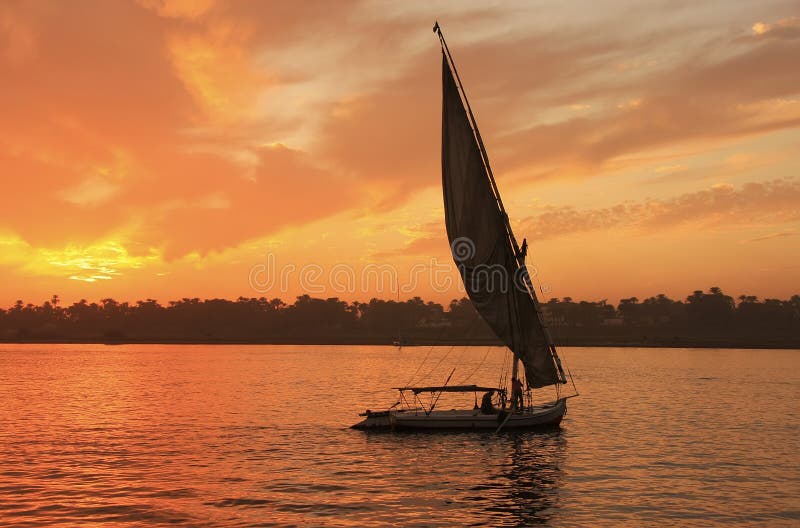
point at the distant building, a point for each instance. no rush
(434, 323)
(550, 319)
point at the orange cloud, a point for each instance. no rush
(721, 206)
(771, 236)
(224, 207)
(786, 28)
(693, 101)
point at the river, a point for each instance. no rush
(229, 436)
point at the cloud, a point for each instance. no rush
(388, 140)
(217, 69)
(786, 28)
(100, 261)
(737, 166)
(145, 121)
(429, 239)
(177, 128)
(721, 206)
(527, 87)
(18, 40)
(387, 133)
(179, 8)
(771, 236)
(229, 204)
(694, 101)
(94, 190)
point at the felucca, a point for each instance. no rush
(492, 267)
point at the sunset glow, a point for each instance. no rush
(160, 149)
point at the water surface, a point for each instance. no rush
(258, 436)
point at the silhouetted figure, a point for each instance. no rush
(486, 403)
(523, 251)
(516, 395)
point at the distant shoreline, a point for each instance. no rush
(704, 320)
(633, 343)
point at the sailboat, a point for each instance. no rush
(492, 267)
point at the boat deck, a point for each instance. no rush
(465, 419)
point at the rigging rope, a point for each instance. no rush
(464, 381)
(425, 376)
(437, 364)
(460, 358)
(408, 383)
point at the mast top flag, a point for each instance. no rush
(490, 261)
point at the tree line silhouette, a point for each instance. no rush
(703, 319)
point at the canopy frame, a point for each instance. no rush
(450, 388)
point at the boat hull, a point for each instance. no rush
(464, 420)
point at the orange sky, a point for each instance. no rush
(215, 149)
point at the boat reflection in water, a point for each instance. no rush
(525, 488)
(465, 479)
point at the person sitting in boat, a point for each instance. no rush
(516, 394)
(487, 407)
